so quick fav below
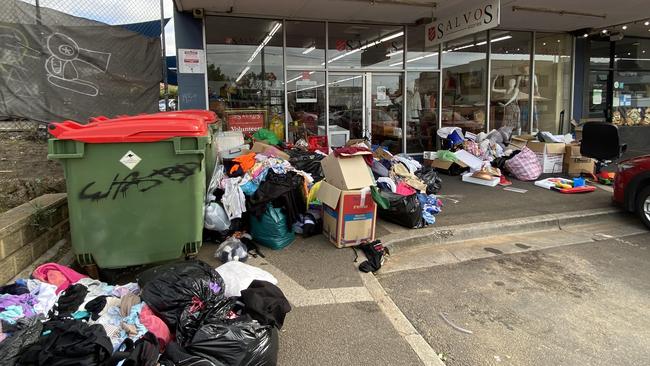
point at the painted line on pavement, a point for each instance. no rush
(400, 322)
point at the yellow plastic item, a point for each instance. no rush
(277, 127)
(563, 185)
(311, 197)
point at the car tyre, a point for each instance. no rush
(643, 205)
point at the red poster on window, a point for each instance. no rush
(245, 122)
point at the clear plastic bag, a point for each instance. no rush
(232, 249)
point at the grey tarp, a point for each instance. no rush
(54, 66)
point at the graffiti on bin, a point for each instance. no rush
(174, 173)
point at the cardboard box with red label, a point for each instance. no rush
(349, 217)
(550, 155)
(349, 212)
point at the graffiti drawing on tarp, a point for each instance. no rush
(14, 49)
(175, 173)
(66, 56)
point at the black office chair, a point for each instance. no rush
(600, 141)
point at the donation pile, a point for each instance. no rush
(183, 313)
(265, 193)
(486, 158)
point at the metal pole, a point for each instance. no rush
(164, 55)
(488, 85)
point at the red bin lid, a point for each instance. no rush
(143, 128)
(207, 116)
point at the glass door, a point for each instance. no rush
(366, 106)
(346, 108)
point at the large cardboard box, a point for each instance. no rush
(518, 142)
(576, 166)
(447, 167)
(347, 173)
(550, 155)
(571, 151)
(349, 217)
(260, 148)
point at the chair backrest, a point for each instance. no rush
(600, 141)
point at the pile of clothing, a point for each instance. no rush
(176, 314)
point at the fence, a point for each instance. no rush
(73, 59)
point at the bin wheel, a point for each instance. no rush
(189, 257)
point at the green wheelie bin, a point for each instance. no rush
(135, 188)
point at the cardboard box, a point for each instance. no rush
(349, 217)
(347, 173)
(572, 151)
(429, 155)
(260, 148)
(518, 142)
(447, 167)
(550, 155)
(575, 166)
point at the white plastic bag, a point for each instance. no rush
(232, 249)
(216, 217)
(237, 276)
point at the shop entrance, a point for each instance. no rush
(366, 105)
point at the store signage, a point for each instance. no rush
(191, 61)
(477, 18)
(245, 121)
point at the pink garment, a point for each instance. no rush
(404, 189)
(55, 274)
(156, 326)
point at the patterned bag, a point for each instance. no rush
(524, 166)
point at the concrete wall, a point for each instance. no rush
(29, 230)
(191, 87)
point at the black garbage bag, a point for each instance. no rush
(239, 342)
(195, 314)
(172, 288)
(430, 177)
(23, 333)
(404, 210)
(308, 162)
(69, 342)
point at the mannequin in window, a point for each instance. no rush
(523, 83)
(511, 110)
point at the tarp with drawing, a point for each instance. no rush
(54, 66)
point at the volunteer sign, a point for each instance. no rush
(191, 61)
(471, 20)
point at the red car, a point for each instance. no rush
(632, 186)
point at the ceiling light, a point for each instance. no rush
(395, 64)
(308, 50)
(463, 47)
(501, 38)
(294, 79)
(265, 41)
(643, 51)
(624, 27)
(391, 54)
(628, 53)
(388, 38)
(646, 23)
(242, 73)
(481, 43)
(544, 44)
(585, 35)
(604, 31)
(558, 41)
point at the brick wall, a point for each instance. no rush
(29, 230)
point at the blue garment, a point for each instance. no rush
(134, 319)
(12, 313)
(80, 314)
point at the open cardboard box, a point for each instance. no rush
(447, 167)
(260, 148)
(549, 154)
(349, 217)
(347, 173)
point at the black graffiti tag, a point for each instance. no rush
(174, 173)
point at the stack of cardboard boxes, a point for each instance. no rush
(349, 212)
(556, 157)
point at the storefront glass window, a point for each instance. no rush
(599, 53)
(306, 104)
(365, 46)
(632, 54)
(418, 57)
(463, 85)
(245, 70)
(551, 82)
(421, 111)
(387, 103)
(509, 84)
(305, 44)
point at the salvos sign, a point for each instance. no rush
(473, 19)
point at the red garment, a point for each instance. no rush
(404, 189)
(55, 274)
(156, 326)
(351, 150)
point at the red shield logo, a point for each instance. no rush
(432, 33)
(341, 44)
